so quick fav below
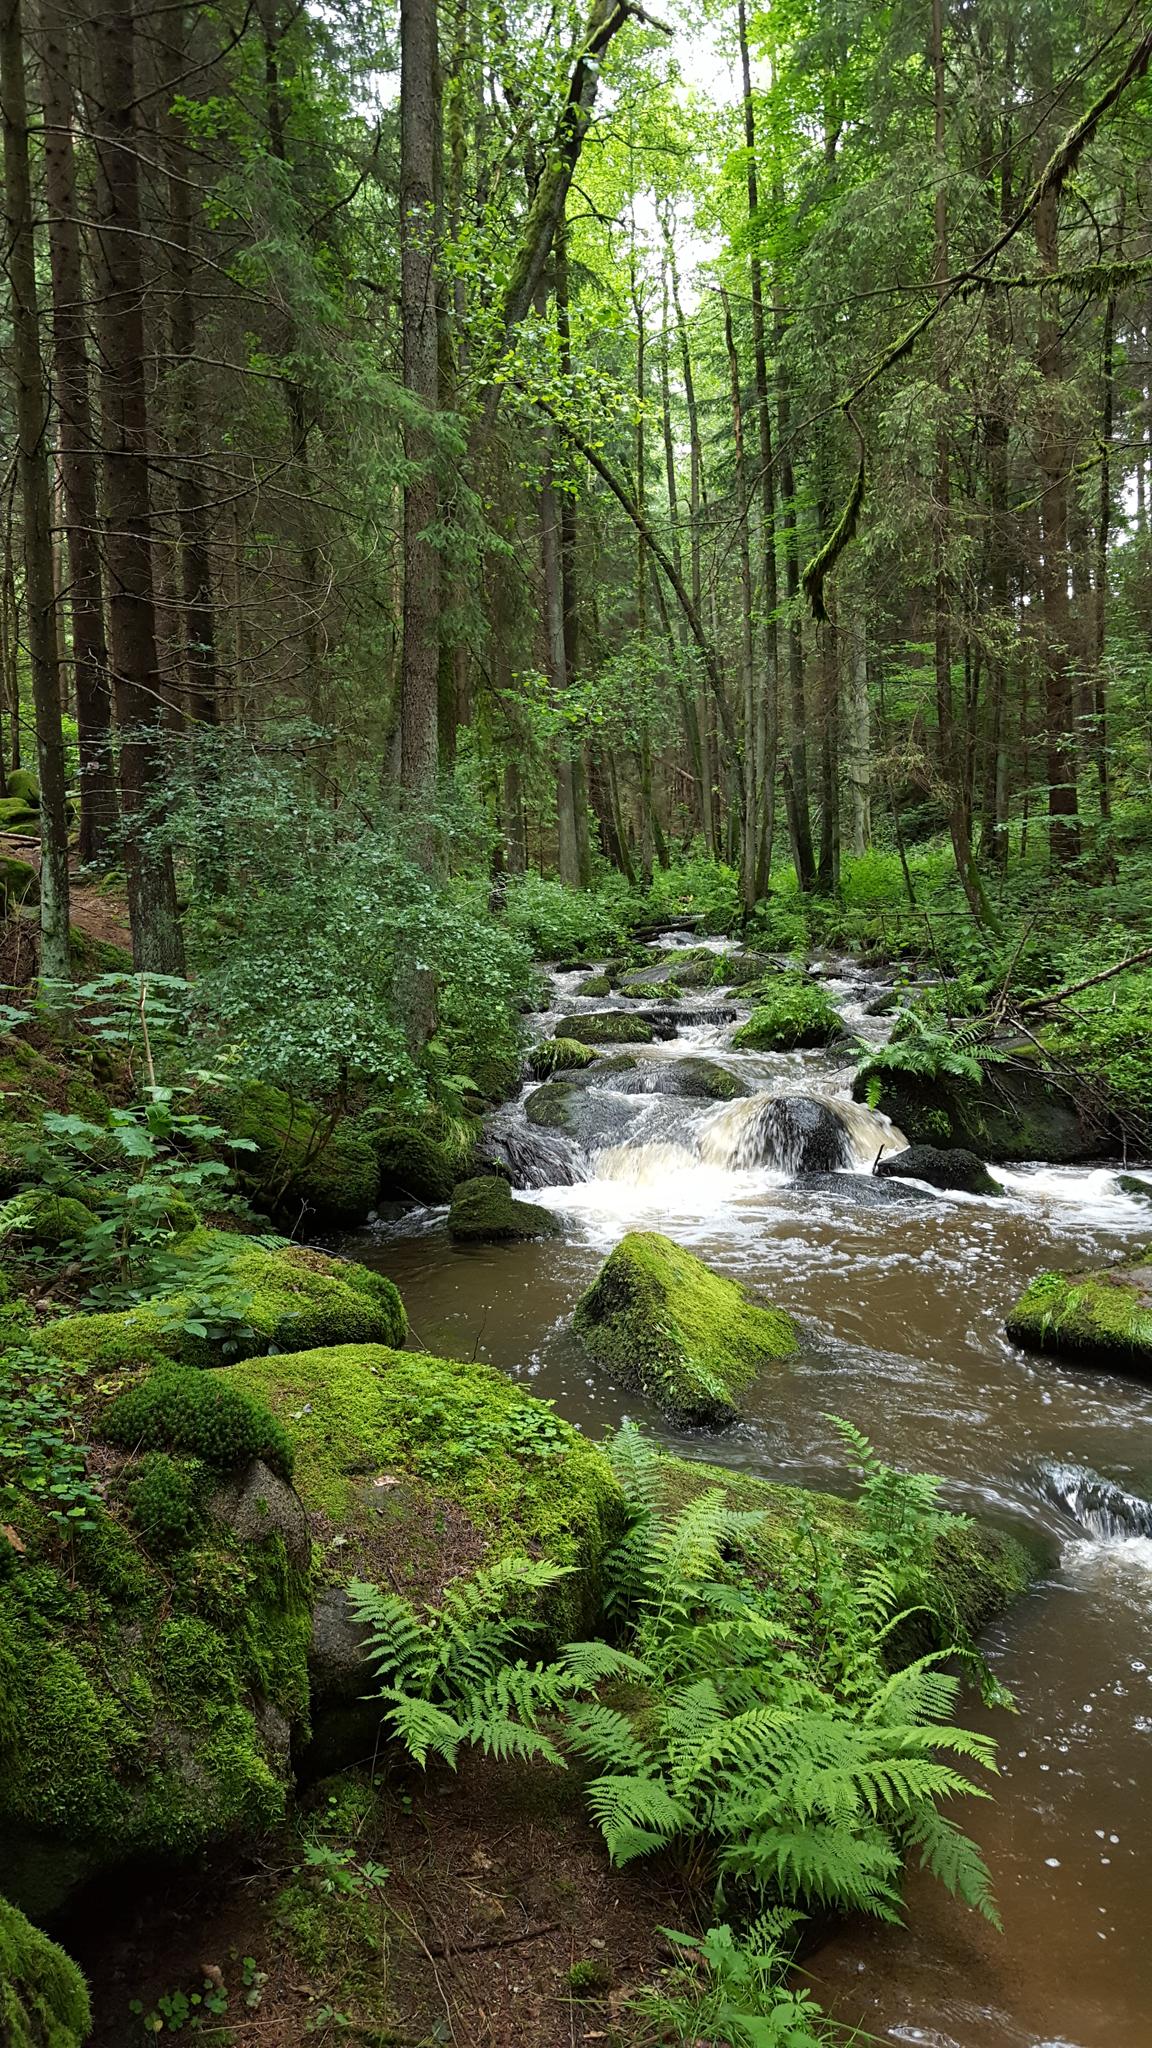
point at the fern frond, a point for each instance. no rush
(423, 1727)
(608, 1737)
(948, 1854)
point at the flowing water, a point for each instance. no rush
(902, 1294)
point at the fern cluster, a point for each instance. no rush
(927, 1050)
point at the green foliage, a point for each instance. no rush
(559, 1056)
(42, 1457)
(43, 1997)
(165, 1498)
(732, 1988)
(199, 1413)
(791, 1011)
(928, 1051)
(566, 924)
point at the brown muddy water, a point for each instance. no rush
(902, 1305)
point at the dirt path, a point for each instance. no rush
(98, 910)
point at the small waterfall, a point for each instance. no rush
(1096, 1505)
(797, 1134)
(536, 1158)
(644, 1165)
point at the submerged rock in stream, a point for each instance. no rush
(485, 1211)
(952, 1168)
(863, 1190)
(793, 1133)
(1093, 1503)
(661, 1320)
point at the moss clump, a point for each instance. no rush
(559, 1056)
(19, 883)
(301, 1158)
(702, 1077)
(1098, 1318)
(791, 1013)
(18, 816)
(41, 1216)
(606, 1027)
(179, 1409)
(413, 1165)
(237, 1294)
(548, 1107)
(23, 785)
(661, 1320)
(596, 985)
(43, 1997)
(363, 1418)
(485, 1211)
(165, 1499)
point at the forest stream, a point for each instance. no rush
(902, 1294)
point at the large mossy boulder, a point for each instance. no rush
(414, 1165)
(659, 1319)
(952, 1168)
(302, 1160)
(791, 1014)
(238, 1295)
(43, 1997)
(22, 785)
(606, 1027)
(153, 1664)
(485, 1211)
(1019, 1112)
(696, 1077)
(19, 883)
(1096, 1317)
(414, 1470)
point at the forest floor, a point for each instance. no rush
(99, 910)
(454, 1916)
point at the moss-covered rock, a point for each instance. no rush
(43, 1997)
(549, 1106)
(153, 1671)
(952, 1168)
(238, 1295)
(697, 1076)
(661, 1320)
(596, 985)
(414, 1166)
(40, 1216)
(658, 991)
(485, 1211)
(19, 883)
(177, 1408)
(22, 784)
(559, 1056)
(1019, 1112)
(426, 1467)
(791, 1013)
(1099, 1318)
(302, 1159)
(606, 1027)
(18, 816)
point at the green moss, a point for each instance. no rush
(652, 991)
(705, 1077)
(485, 1211)
(300, 1158)
(165, 1498)
(200, 1413)
(606, 1027)
(1101, 1318)
(18, 816)
(41, 1216)
(558, 1056)
(596, 985)
(659, 1319)
(495, 1069)
(287, 1297)
(23, 785)
(19, 883)
(791, 1013)
(548, 1106)
(413, 1165)
(462, 1434)
(43, 1997)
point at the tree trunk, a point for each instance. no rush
(1054, 459)
(99, 809)
(859, 762)
(767, 736)
(695, 510)
(419, 128)
(749, 838)
(32, 405)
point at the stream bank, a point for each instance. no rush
(902, 1303)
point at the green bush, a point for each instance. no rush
(562, 924)
(791, 1012)
(181, 1409)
